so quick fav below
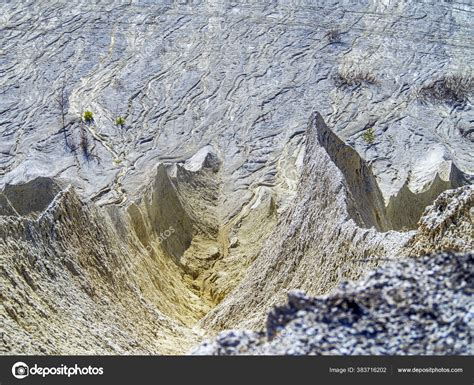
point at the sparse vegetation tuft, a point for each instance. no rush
(88, 116)
(334, 36)
(369, 135)
(353, 78)
(120, 121)
(450, 89)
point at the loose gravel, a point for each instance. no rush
(420, 306)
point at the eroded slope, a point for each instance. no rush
(222, 190)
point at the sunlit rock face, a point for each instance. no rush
(235, 151)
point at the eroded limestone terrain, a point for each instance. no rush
(264, 147)
(407, 307)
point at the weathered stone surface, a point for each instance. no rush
(242, 77)
(220, 142)
(71, 283)
(448, 224)
(417, 306)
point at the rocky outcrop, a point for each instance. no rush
(159, 212)
(405, 209)
(70, 281)
(68, 262)
(314, 246)
(317, 243)
(219, 191)
(364, 199)
(413, 307)
(447, 224)
(28, 199)
(366, 203)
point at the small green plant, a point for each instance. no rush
(120, 121)
(369, 135)
(88, 116)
